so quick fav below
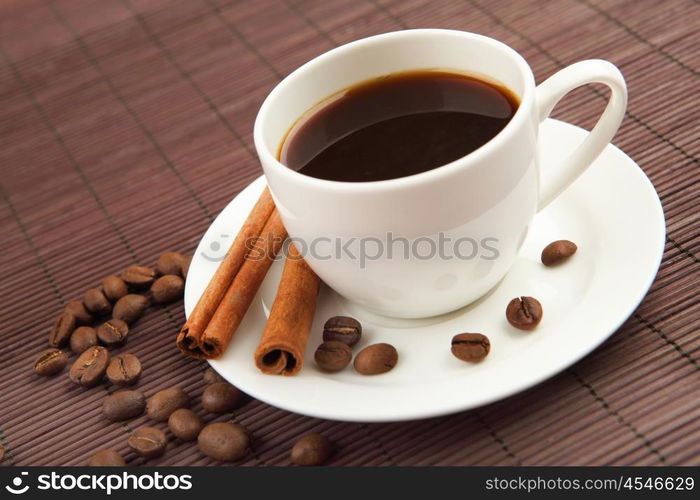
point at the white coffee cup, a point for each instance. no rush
(485, 200)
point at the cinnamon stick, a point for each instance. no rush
(189, 337)
(245, 285)
(282, 346)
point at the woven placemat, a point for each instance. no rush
(125, 127)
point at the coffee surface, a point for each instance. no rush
(397, 125)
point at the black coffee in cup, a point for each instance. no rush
(397, 125)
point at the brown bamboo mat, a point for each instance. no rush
(125, 126)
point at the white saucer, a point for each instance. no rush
(612, 213)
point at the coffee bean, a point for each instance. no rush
(224, 441)
(170, 263)
(185, 424)
(185, 267)
(130, 307)
(2, 453)
(50, 362)
(333, 356)
(62, 328)
(211, 377)
(113, 333)
(221, 397)
(470, 346)
(138, 277)
(342, 329)
(106, 458)
(557, 252)
(125, 369)
(77, 308)
(123, 405)
(312, 449)
(82, 338)
(90, 366)
(524, 313)
(161, 405)
(376, 359)
(114, 288)
(96, 302)
(148, 442)
(167, 289)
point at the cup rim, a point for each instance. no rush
(269, 159)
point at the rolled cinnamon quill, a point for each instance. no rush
(282, 346)
(189, 338)
(245, 285)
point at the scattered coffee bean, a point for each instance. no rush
(333, 356)
(167, 289)
(125, 369)
(138, 277)
(312, 449)
(62, 329)
(342, 329)
(148, 442)
(90, 366)
(82, 315)
(113, 333)
(163, 403)
(185, 267)
(96, 302)
(557, 252)
(2, 453)
(170, 263)
(221, 397)
(524, 313)
(185, 424)
(106, 458)
(123, 405)
(50, 362)
(470, 346)
(114, 288)
(376, 359)
(82, 338)
(130, 307)
(224, 441)
(211, 377)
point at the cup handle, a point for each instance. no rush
(548, 95)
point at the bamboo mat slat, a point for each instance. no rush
(125, 127)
